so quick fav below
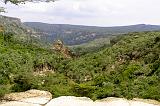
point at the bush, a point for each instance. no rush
(22, 83)
(83, 90)
(3, 90)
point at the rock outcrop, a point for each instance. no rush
(44, 98)
(14, 25)
(1, 28)
(59, 47)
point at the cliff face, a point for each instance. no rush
(16, 20)
(14, 25)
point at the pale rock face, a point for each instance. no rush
(44, 98)
(70, 101)
(77, 101)
(15, 103)
(112, 102)
(29, 98)
(27, 94)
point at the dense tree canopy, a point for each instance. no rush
(130, 68)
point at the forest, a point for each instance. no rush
(129, 67)
(100, 62)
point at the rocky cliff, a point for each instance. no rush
(59, 47)
(14, 25)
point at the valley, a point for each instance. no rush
(78, 34)
(79, 53)
(118, 63)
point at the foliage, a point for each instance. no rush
(90, 47)
(130, 68)
(126, 69)
(20, 59)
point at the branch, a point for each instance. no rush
(2, 9)
(23, 1)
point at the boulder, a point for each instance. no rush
(29, 97)
(15, 103)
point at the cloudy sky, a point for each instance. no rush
(89, 12)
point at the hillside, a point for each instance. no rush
(22, 61)
(129, 69)
(11, 24)
(22, 32)
(127, 65)
(76, 34)
(91, 47)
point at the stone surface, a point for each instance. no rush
(27, 94)
(36, 100)
(70, 101)
(15, 103)
(77, 101)
(112, 102)
(44, 98)
(34, 97)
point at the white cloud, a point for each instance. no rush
(89, 12)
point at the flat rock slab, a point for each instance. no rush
(70, 101)
(15, 103)
(44, 98)
(77, 101)
(27, 94)
(36, 100)
(116, 102)
(29, 98)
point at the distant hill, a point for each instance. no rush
(77, 34)
(15, 26)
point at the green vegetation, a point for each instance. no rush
(91, 47)
(129, 68)
(19, 61)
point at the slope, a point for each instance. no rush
(130, 68)
(76, 34)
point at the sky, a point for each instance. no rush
(88, 12)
